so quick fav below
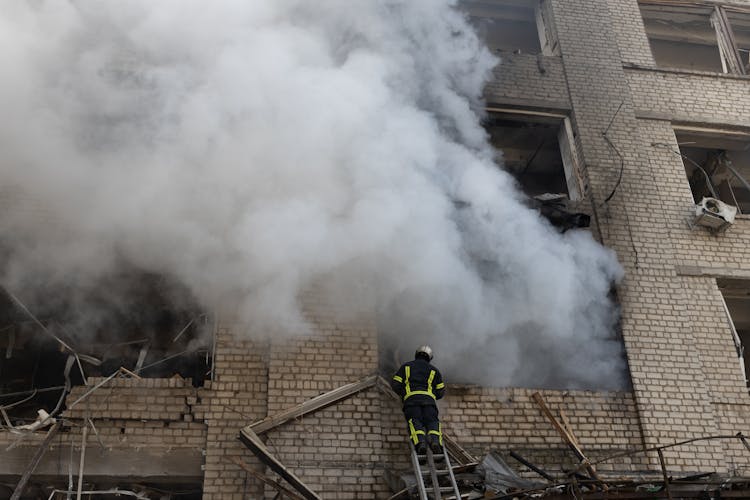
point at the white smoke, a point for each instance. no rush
(251, 149)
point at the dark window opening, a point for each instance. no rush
(146, 323)
(537, 151)
(717, 166)
(694, 37)
(736, 294)
(505, 25)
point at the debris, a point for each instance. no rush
(567, 436)
(183, 330)
(38, 323)
(83, 458)
(35, 461)
(531, 466)
(314, 404)
(274, 484)
(253, 442)
(142, 356)
(113, 491)
(500, 477)
(11, 341)
(42, 420)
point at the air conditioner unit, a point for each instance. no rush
(714, 214)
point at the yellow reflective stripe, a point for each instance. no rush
(409, 393)
(397, 378)
(424, 393)
(438, 433)
(441, 385)
(414, 433)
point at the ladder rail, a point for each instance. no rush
(418, 473)
(449, 467)
(433, 474)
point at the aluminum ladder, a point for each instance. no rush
(434, 492)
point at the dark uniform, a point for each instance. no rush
(420, 385)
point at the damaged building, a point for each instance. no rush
(626, 118)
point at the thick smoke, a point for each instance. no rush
(252, 149)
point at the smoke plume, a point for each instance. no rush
(252, 149)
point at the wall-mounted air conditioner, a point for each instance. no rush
(714, 214)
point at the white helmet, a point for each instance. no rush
(425, 349)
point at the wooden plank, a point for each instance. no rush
(35, 461)
(567, 437)
(274, 484)
(569, 428)
(253, 442)
(312, 405)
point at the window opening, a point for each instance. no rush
(717, 166)
(538, 150)
(702, 37)
(509, 25)
(146, 323)
(736, 296)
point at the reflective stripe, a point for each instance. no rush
(409, 393)
(441, 385)
(414, 433)
(438, 433)
(397, 378)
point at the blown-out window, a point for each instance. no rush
(520, 26)
(717, 165)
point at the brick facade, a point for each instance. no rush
(686, 381)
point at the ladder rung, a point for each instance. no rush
(443, 489)
(438, 472)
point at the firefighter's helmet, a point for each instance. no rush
(425, 350)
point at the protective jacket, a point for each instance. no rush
(418, 383)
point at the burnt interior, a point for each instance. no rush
(530, 151)
(147, 323)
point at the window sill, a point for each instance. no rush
(680, 71)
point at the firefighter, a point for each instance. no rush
(420, 385)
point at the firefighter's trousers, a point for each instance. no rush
(422, 420)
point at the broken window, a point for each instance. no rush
(518, 26)
(736, 294)
(696, 36)
(538, 149)
(717, 165)
(145, 323)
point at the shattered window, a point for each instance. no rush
(696, 37)
(144, 323)
(538, 149)
(505, 25)
(717, 166)
(736, 294)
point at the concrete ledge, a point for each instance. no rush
(154, 464)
